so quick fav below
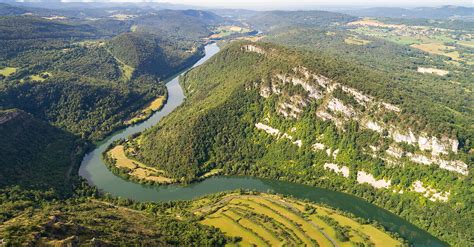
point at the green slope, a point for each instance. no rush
(216, 128)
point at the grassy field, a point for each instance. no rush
(269, 220)
(41, 76)
(434, 41)
(224, 31)
(7, 71)
(146, 112)
(137, 169)
(438, 49)
(356, 41)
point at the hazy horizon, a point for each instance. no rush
(282, 4)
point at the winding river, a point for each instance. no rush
(94, 170)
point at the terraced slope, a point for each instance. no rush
(267, 220)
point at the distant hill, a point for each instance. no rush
(445, 12)
(152, 54)
(182, 24)
(270, 20)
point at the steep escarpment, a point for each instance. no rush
(264, 110)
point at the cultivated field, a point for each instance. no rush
(137, 169)
(223, 31)
(438, 41)
(146, 112)
(269, 220)
(356, 41)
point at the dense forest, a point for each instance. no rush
(76, 78)
(223, 105)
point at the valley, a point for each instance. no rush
(130, 126)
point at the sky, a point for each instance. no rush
(301, 4)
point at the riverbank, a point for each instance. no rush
(97, 174)
(119, 163)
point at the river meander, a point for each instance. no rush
(94, 170)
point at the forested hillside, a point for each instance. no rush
(68, 75)
(188, 25)
(32, 150)
(149, 54)
(280, 20)
(265, 110)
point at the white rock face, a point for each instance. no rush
(268, 129)
(337, 106)
(453, 165)
(426, 143)
(311, 89)
(265, 92)
(420, 159)
(292, 107)
(318, 146)
(360, 97)
(391, 107)
(430, 193)
(374, 126)
(318, 86)
(344, 170)
(298, 143)
(394, 152)
(363, 177)
(435, 71)
(320, 80)
(277, 133)
(450, 165)
(253, 48)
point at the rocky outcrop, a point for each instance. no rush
(363, 177)
(336, 105)
(373, 126)
(276, 132)
(343, 170)
(425, 142)
(450, 165)
(292, 107)
(253, 48)
(430, 193)
(318, 146)
(331, 108)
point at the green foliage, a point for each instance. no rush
(215, 128)
(150, 54)
(88, 92)
(32, 150)
(271, 20)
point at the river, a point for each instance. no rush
(94, 170)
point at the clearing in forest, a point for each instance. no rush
(7, 71)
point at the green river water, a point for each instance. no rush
(94, 170)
